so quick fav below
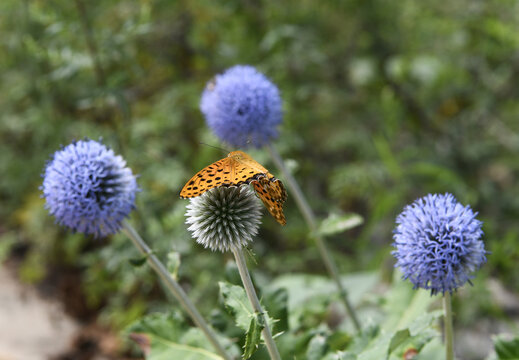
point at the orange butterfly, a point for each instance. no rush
(236, 169)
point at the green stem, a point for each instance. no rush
(253, 298)
(312, 225)
(174, 287)
(449, 333)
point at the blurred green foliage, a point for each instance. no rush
(403, 323)
(384, 101)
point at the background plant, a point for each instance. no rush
(383, 102)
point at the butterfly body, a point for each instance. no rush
(237, 169)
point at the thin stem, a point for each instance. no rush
(174, 287)
(447, 322)
(319, 240)
(253, 298)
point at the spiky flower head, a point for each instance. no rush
(438, 243)
(224, 218)
(88, 188)
(242, 107)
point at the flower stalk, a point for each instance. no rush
(438, 247)
(319, 240)
(253, 298)
(175, 288)
(448, 330)
(227, 218)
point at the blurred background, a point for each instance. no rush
(384, 102)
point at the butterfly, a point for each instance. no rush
(273, 195)
(237, 169)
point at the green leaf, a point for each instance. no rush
(166, 336)
(339, 355)
(339, 340)
(302, 287)
(395, 343)
(336, 223)
(388, 156)
(316, 348)
(420, 332)
(276, 301)
(312, 293)
(405, 304)
(253, 337)
(376, 349)
(364, 338)
(137, 262)
(433, 350)
(232, 274)
(162, 349)
(237, 303)
(173, 264)
(398, 338)
(506, 349)
(407, 325)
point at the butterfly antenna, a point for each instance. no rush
(216, 147)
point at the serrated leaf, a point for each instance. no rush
(173, 264)
(506, 349)
(336, 223)
(236, 301)
(253, 337)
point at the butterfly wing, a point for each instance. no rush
(273, 195)
(214, 175)
(278, 190)
(248, 162)
(236, 169)
(248, 169)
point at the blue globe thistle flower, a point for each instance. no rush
(438, 243)
(224, 218)
(88, 188)
(242, 107)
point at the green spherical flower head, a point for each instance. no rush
(438, 243)
(224, 218)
